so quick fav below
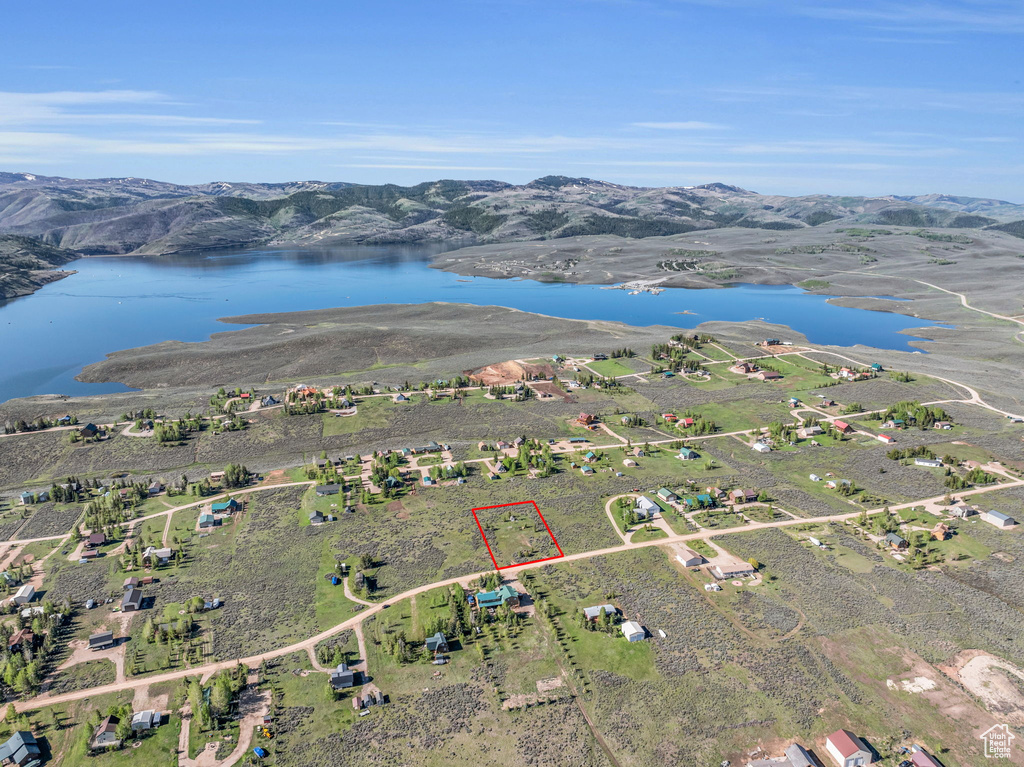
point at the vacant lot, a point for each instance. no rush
(516, 534)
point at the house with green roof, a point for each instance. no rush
(504, 594)
(230, 506)
(21, 749)
(667, 495)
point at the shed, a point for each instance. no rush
(131, 601)
(25, 594)
(101, 640)
(847, 749)
(145, 720)
(633, 631)
(998, 519)
(689, 558)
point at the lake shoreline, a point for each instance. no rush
(130, 303)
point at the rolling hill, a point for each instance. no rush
(142, 216)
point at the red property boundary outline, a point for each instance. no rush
(488, 545)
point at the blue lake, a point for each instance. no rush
(119, 303)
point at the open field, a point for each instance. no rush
(515, 534)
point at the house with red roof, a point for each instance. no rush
(847, 750)
(922, 758)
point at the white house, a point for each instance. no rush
(815, 478)
(155, 556)
(145, 720)
(737, 569)
(847, 750)
(998, 519)
(761, 447)
(961, 510)
(593, 613)
(633, 631)
(25, 594)
(934, 463)
(646, 508)
(689, 558)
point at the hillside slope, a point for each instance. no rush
(26, 265)
(141, 216)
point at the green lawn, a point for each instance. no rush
(610, 368)
(371, 413)
(718, 519)
(653, 534)
(332, 606)
(702, 548)
(746, 414)
(158, 747)
(713, 351)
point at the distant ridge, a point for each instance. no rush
(144, 216)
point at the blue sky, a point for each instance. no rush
(790, 97)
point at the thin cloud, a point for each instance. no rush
(65, 106)
(878, 98)
(680, 126)
(908, 18)
(926, 17)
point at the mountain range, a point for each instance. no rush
(67, 218)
